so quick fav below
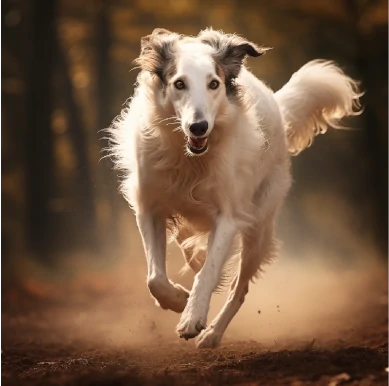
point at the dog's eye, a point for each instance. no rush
(214, 85)
(179, 84)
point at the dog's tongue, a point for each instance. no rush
(197, 142)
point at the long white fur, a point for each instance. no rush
(228, 197)
(316, 97)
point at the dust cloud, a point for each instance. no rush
(302, 302)
(296, 301)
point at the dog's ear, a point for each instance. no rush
(231, 50)
(146, 40)
(157, 51)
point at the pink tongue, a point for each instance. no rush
(197, 142)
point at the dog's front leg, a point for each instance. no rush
(171, 296)
(194, 317)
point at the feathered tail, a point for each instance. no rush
(317, 96)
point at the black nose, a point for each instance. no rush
(199, 128)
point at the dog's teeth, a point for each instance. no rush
(197, 143)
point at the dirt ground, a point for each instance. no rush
(36, 351)
(301, 324)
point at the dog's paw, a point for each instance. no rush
(189, 327)
(208, 338)
(178, 298)
(170, 297)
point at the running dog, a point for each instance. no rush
(204, 150)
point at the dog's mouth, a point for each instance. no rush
(197, 145)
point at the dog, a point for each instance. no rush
(204, 150)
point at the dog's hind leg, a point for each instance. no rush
(258, 248)
(194, 258)
(168, 295)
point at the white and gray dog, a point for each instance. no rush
(205, 149)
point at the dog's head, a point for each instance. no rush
(196, 75)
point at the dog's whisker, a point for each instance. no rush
(167, 119)
(159, 121)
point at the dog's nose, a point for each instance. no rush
(199, 128)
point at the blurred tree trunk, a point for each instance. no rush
(84, 189)
(376, 147)
(104, 115)
(39, 146)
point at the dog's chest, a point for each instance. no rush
(195, 188)
(187, 193)
(190, 194)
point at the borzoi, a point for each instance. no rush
(204, 147)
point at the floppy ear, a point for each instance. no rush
(157, 50)
(231, 50)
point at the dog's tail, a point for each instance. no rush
(318, 95)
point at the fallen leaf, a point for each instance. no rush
(339, 379)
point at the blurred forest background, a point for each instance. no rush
(66, 74)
